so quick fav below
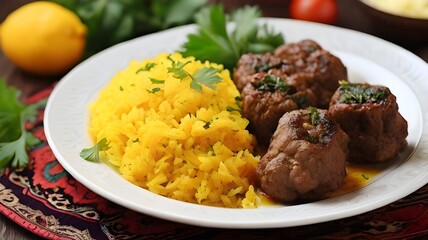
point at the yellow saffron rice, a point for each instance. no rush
(173, 140)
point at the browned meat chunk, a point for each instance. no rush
(250, 64)
(310, 66)
(306, 157)
(304, 65)
(266, 99)
(369, 115)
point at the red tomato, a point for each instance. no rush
(323, 11)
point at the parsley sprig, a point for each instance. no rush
(15, 140)
(213, 41)
(204, 76)
(92, 154)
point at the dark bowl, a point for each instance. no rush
(396, 27)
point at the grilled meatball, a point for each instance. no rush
(250, 64)
(265, 99)
(304, 65)
(307, 65)
(306, 157)
(369, 115)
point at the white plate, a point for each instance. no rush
(367, 58)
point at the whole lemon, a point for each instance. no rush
(43, 38)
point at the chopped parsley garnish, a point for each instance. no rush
(360, 93)
(156, 81)
(147, 67)
(93, 154)
(314, 115)
(204, 76)
(272, 83)
(231, 109)
(153, 90)
(177, 68)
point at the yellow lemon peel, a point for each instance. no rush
(43, 38)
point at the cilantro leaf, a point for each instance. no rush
(205, 76)
(213, 41)
(14, 138)
(93, 154)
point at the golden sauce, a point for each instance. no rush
(358, 176)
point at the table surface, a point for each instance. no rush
(350, 16)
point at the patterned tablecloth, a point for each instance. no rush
(46, 200)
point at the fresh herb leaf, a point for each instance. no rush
(365, 176)
(156, 81)
(232, 109)
(272, 83)
(177, 68)
(213, 41)
(313, 115)
(205, 76)
(147, 67)
(14, 138)
(153, 90)
(93, 154)
(360, 93)
(114, 21)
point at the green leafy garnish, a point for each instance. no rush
(14, 138)
(156, 81)
(93, 154)
(177, 68)
(360, 93)
(153, 90)
(204, 76)
(213, 41)
(272, 83)
(365, 177)
(114, 21)
(313, 115)
(232, 109)
(147, 67)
